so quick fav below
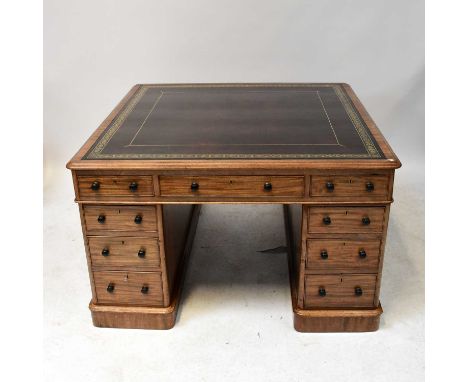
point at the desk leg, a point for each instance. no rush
(317, 320)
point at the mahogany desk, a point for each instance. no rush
(165, 150)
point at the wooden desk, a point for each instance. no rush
(165, 150)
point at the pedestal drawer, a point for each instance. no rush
(124, 251)
(339, 291)
(120, 218)
(232, 186)
(95, 187)
(345, 219)
(348, 256)
(129, 288)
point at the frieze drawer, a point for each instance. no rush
(232, 186)
(96, 187)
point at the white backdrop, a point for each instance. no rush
(94, 51)
(238, 330)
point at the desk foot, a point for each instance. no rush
(105, 316)
(337, 320)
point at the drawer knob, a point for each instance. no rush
(267, 186)
(105, 252)
(133, 186)
(370, 186)
(326, 220)
(362, 254)
(138, 219)
(141, 253)
(330, 186)
(101, 219)
(324, 254)
(95, 186)
(322, 292)
(358, 291)
(194, 186)
(144, 289)
(110, 287)
(366, 221)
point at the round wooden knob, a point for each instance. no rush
(330, 186)
(138, 219)
(110, 288)
(358, 291)
(141, 253)
(267, 186)
(144, 289)
(322, 292)
(194, 186)
(95, 186)
(133, 186)
(362, 254)
(370, 186)
(101, 219)
(326, 220)
(324, 254)
(105, 252)
(366, 221)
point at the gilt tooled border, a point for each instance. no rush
(371, 150)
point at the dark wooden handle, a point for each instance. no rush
(322, 292)
(144, 289)
(366, 221)
(267, 186)
(141, 253)
(133, 186)
(101, 219)
(110, 288)
(370, 186)
(138, 219)
(326, 220)
(358, 291)
(194, 186)
(362, 254)
(95, 186)
(324, 254)
(105, 252)
(330, 186)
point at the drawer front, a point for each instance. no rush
(94, 187)
(120, 218)
(336, 186)
(124, 252)
(232, 186)
(129, 288)
(345, 219)
(330, 256)
(339, 291)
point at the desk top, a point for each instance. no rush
(171, 126)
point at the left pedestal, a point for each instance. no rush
(136, 259)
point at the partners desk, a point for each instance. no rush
(166, 149)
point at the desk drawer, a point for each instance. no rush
(232, 186)
(331, 256)
(345, 219)
(339, 291)
(124, 251)
(95, 187)
(336, 186)
(129, 288)
(120, 218)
